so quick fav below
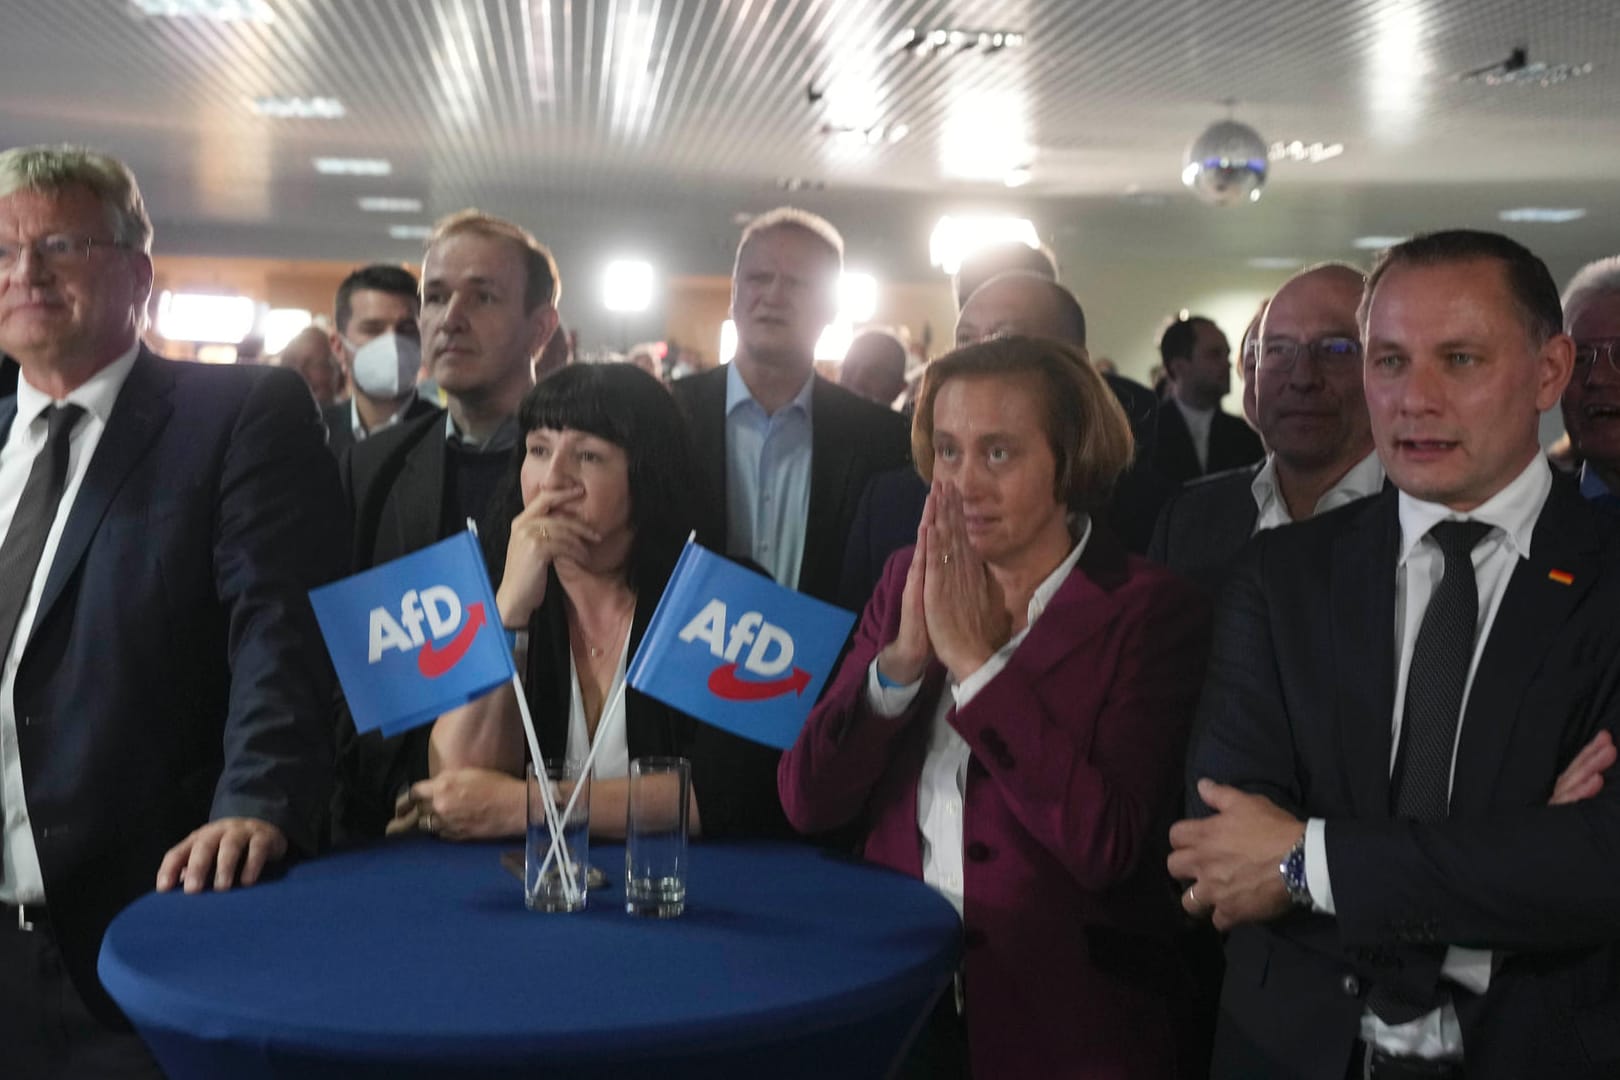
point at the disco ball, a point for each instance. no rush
(1227, 164)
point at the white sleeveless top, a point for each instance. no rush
(613, 760)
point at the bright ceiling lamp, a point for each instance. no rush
(281, 325)
(205, 317)
(728, 341)
(834, 341)
(627, 286)
(857, 297)
(955, 238)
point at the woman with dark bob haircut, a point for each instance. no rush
(1010, 725)
(599, 491)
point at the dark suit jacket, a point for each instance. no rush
(174, 673)
(394, 484)
(733, 779)
(340, 428)
(1076, 749)
(1298, 708)
(1205, 524)
(1231, 443)
(851, 439)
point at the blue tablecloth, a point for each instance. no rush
(419, 959)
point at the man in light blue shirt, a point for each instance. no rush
(1591, 401)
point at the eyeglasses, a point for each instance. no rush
(1587, 353)
(1281, 354)
(55, 251)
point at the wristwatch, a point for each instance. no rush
(1292, 869)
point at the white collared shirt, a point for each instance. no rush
(1512, 512)
(1365, 478)
(21, 881)
(767, 478)
(1199, 421)
(943, 784)
(358, 426)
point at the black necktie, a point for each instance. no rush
(25, 539)
(1420, 790)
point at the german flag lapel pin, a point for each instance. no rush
(1563, 577)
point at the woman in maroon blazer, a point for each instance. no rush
(1011, 722)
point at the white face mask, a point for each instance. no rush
(386, 366)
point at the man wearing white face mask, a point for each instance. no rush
(380, 348)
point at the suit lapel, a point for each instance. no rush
(707, 422)
(419, 492)
(139, 415)
(1361, 598)
(832, 456)
(1533, 608)
(8, 413)
(1083, 606)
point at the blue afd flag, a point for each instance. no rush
(736, 650)
(414, 637)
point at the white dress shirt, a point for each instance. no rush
(768, 478)
(942, 786)
(1199, 421)
(1512, 512)
(613, 760)
(358, 426)
(21, 881)
(1366, 477)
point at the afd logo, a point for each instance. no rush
(771, 654)
(440, 608)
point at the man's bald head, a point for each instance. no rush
(1022, 303)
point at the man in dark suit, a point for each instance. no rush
(489, 293)
(1395, 688)
(379, 346)
(1312, 414)
(1591, 403)
(164, 693)
(785, 454)
(1195, 437)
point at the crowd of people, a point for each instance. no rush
(1273, 748)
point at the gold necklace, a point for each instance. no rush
(614, 636)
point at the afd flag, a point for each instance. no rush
(414, 637)
(736, 650)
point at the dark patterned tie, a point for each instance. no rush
(1420, 790)
(31, 524)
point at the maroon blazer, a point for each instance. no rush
(1076, 770)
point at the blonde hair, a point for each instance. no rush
(52, 170)
(544, 284)
(791, 217)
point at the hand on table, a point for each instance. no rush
(463, 804)
(1232, 857)
(211, 855)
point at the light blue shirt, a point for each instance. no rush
(767, 479)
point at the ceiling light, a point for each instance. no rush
(338, 166)
(409, 232)
(954, 238)
(200, 317)
(833, 344)
(857, 296)
(1226, 164)
(295, 108)
(281, 325)
(1017, 176)
(1376, 243)
(923, 41)
(389, 204)
(1517, 70)
(1546, 215)
(628, 286)
(728, 341)
(1309, 153)
(218, 10)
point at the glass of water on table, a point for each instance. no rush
(655, 837)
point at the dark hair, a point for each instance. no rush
(1180, 340)
(1529, 282)
(1004, 257)
(378, 277)
(542, 283)
(632, 410)
(1085, 423)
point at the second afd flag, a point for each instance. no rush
(414, 637)
(736, 650)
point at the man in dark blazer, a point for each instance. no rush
(164, 693)
(489, 292)
(1395, 689)
(783, 452)
(1312, 414)
(379, 346)
(1195, 437)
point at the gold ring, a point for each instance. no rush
(1192, 896)
(544, 535)
(424, 819)
(945, 559)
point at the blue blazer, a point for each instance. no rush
(174, 673)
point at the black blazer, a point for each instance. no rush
(851, 439)
(1205, 524)
(734, 780)
(174, 672)
(1231, 443)
(1298, 708)
(340, 426)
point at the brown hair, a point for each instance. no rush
(543, 285)
(1085, 425)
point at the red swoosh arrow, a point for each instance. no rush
(723, 682)
(433, 662)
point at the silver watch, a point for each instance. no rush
(1292, 869)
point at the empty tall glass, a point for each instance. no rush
(655, 837)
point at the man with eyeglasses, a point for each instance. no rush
(1591, 401)
(164, 694)
(1312, 415)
